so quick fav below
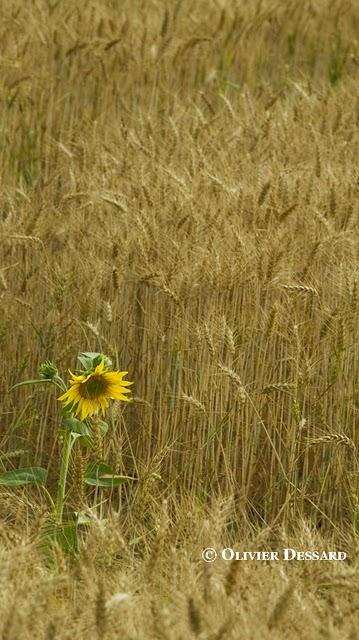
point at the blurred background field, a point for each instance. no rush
(179, 190)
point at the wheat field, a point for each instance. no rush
(179, 190)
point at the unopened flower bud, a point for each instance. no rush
(48, 370)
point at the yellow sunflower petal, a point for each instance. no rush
(121, 397)
(64, 396)
(75, 378)
(99, 369)
(84, 409)
(104, 405)
(68, 397)
(112, 379)
(117, 394)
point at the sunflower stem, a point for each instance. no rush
(64, 468)
(60, 383)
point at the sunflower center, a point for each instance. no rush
(93, 387)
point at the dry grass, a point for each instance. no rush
(159, 588)
(179, 189)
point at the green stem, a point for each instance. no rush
(65, 460)
(60, 383)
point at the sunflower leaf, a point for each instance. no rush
(91, 354)
(76, 426)
(90, 360)
(103, 427)
(82, 430)
(20, 477)
(85, 361)
(101, 475)
(52, 535)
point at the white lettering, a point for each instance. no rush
(227, 554)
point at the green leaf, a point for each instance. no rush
(66, 537)
(82, 428)
(54, 535)
(90, 360)
(85, 361)
(101, 475)
(91, 355)
(83, 431)
(20, 477)
(76, 426)
(103, 427)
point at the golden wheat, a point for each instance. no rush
(179, 186)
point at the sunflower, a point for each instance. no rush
(89, 392)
